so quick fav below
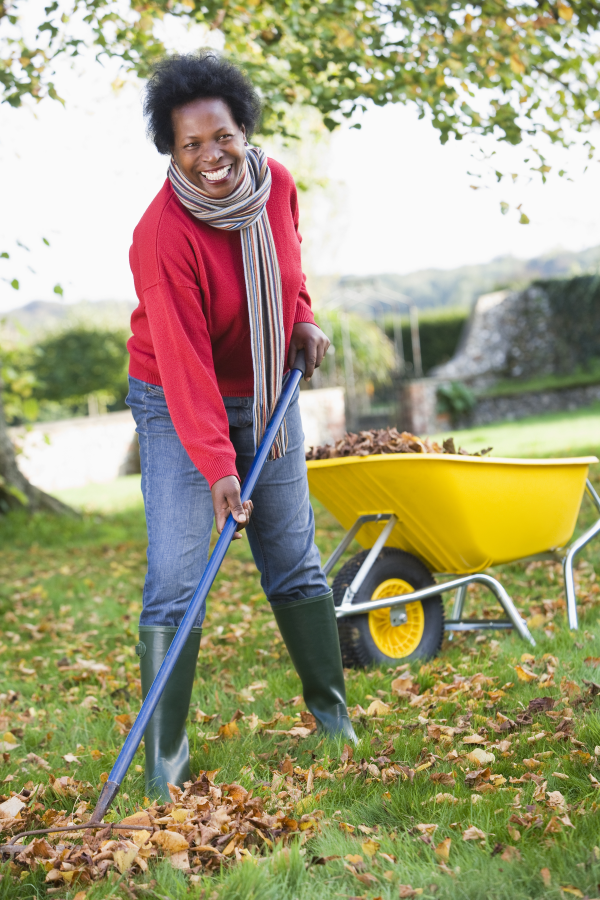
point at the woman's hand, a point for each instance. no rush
(226, 499)
(313, 341)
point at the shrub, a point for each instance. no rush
(456, 399)
(439, 333)
(79, 363)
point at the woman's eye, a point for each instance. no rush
(224, 137)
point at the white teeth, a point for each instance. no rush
(216, 176)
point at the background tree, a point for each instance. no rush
(82, 365)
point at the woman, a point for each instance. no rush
(223, 310)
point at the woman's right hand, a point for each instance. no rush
(227, 499)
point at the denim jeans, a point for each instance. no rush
(179, 511)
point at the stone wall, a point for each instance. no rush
(509, 335)
(420, 414)
(519, 406)
(97, 449)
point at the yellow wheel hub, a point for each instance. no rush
(399, 640)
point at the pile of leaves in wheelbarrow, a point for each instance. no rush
(205, 826)
(386, 440)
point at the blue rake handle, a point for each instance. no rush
(132, 742)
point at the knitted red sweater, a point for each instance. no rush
(191, 331)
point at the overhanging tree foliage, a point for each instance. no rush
(512, 69)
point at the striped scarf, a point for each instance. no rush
(244, 210)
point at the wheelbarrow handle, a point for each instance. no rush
(133, 739)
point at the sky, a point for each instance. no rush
(396, 200)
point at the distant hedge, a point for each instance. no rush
(575, 319)
(439, 332)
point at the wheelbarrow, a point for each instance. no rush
(444, 517)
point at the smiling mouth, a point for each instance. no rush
(217, 174)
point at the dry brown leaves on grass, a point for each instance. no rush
(205, 826)
(386, 440)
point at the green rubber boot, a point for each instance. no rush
(310, 632)
(165, 739)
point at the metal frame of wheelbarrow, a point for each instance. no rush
(133, 739)
(565, 555)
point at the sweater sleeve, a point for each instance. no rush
(304, 311)
(184, 356)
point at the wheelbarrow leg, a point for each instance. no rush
(509, 607)
(569, 559)
(458, 606)
(459, 601)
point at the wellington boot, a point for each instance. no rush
(165, 739)
(310, 632)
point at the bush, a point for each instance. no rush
(456, 399)
(574, 320)
(82, 362)
(17, 382)
(439, 333)
(373, 357)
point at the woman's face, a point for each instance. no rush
(209, 145)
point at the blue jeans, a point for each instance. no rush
(179, 511)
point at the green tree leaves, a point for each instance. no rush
(511, 70)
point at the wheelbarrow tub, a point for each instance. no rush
(458, 514)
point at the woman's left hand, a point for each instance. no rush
(313, 341)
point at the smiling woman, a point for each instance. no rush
(223, 310)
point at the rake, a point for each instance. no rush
(132, 742)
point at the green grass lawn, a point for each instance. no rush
(575, 433)
(410, 815)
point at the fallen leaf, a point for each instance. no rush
(446, 778)
(427, 828)
(370, 847)
(37, 761)
(378, 708)
(510, 854)
(480, 757)
(473, 834)
(405, 890)
(473, 739)
(570, 889)
(546, 876)
(557, 801)
(124, 859)
(229, 730)
(442, 850)
(11, 808)
(169, 841)
(138, 818)
(524, 674)
(68, 757)
(180, 859)
(446, 798)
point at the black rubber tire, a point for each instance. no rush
(357, 644)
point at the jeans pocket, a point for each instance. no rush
(155, 389)
(239, 411)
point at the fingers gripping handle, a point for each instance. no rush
(300, 362)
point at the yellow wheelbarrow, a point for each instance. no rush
(443, 516)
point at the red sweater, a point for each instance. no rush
(191, 331)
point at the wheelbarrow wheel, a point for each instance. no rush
(371, 638)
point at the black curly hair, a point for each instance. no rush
(180, 79)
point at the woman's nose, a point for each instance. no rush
(211, 153)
